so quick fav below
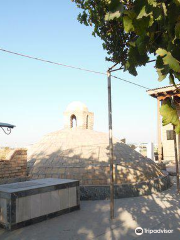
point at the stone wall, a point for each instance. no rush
(126, 190)
(14, 166)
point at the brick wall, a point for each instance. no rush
(91, 175)
(15, 164)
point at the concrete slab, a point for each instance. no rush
(36, 200)
(157, 211)
(33, 184)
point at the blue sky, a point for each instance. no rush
(35, 94)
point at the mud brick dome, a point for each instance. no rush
(79, 152)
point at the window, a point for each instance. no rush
(73, 121)
(170, 134)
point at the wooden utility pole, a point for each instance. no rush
(176, 159)
(159, 131)
(110, 147)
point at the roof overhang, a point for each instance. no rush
(164, 92)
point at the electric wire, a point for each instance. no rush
(69, 66)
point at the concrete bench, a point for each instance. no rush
(25, 203)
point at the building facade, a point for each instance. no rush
(166, 149)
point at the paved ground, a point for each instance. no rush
(171, 168)
(157, 211)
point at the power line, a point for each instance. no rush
(124, 80)
(68, 66)
(51, 62)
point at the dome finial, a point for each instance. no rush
(78, 116)
(76, 106)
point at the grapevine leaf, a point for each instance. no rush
(161, 52)
(131, 68)
(177, 75)
(171, 79)
(164, 9)
(141, 43)
(170, 115)
(177, 2)
(114, 14)
(160, 74)
(128, 25)
(113, 5)
(146, 25)
(152, 2)
(177, 30)
(168, 59)
(143, 13)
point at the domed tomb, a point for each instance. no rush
(79, 152)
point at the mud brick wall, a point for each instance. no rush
(89, 175)
(15, 165)
(93, 174)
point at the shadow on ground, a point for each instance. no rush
(157, 211)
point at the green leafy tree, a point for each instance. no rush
(136, 32)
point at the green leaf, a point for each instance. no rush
(114, 14)
(161, 52)
(177, 2)
(159, 62)
(141, 43)
(157, 14)
(143, 13)
(114, 4)
(177, 75)
(177, 30)
(131, 68)
(161, 69)
(128, 25)
(132, 44)
(168, 59)
(136, 57)
(164, 9)
(152, 2)
(171, 79)
(177, 129)
(170, 115)
(160, 74)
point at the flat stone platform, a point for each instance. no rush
(25, 203)
(157, 211)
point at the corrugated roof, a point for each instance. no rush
(153, 89)
(165, 91)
